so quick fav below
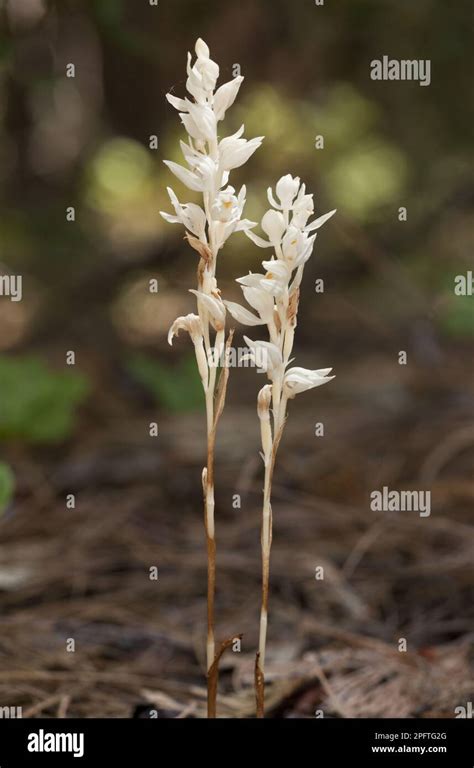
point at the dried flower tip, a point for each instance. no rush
(203, 249)
(292, 311)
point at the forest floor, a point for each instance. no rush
(83, 574)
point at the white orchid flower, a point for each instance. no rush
(277, 277)
(298, 380)
(225, 96)
(303, 208)
(226, 214)
(273, 224)
(274, 283)
(265, 355)
(190, 153)
(201, 178)
(226, 205)
(192, 324)
(297, 247)
(235, 151)
(200, 121)
(187, 177)
(202, 76)
(260, 300)
(286, 189)
(190, 215)
(207, 68)
(214, 306)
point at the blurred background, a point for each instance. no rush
(90, 502)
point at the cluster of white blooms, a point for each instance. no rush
(209, 162)
(274, 295)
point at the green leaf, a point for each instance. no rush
(36, 404)
(177, 388)
(7, 486)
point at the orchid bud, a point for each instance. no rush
(264, 401)
(225, 96)
(287, 189)
(202, 48)
(263, 409)
(273, 224)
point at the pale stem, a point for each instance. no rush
(266, 547)
(209, 501)
(279, 402)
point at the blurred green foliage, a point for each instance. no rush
(119, 172)
(7, 486)
(37, 405)
(363, 171)
(458, 317)
(177, 387)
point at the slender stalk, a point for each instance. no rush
(270, 448)
(266, 543)
(209, 505)
(293, 243)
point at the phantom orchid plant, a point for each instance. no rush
(274, 296)
(209, 162)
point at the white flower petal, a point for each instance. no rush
(234, 151)
(298, 380)
(258, 240)
(273, 224)
(287, 188)
(204, 119)
(214, 306)
(202, 48)
(253, 279)
(176, 102)
(272, 200)
(225, 96)
(244, 225)
(320, 221)
(242, 315)
(190, 154)
(260, 300)
(265, 354)
(188, 178)
(190, 323)
(169, 218)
